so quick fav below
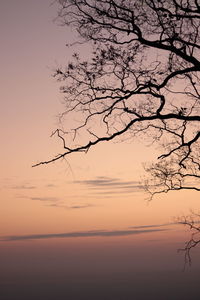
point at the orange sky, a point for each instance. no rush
(66, 196)
(88, 194)
(97, 191)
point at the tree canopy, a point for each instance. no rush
(141, 78)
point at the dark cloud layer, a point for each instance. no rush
(111, 185)
(107, 181)
(95, 233)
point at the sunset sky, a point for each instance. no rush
(80, 228)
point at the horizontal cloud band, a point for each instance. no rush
(96, 233)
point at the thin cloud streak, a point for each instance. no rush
(55, 202)
(96, 233)
(107, 182)
(44, 198)
(109, 185)
(154, 225)
(51, 185)
(23, 187)
(75, 206)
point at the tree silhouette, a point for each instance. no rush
(141, 78)
(192, 222)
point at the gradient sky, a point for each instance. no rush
(82, 225)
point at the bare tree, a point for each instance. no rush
(192, 222)
(141, 78)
